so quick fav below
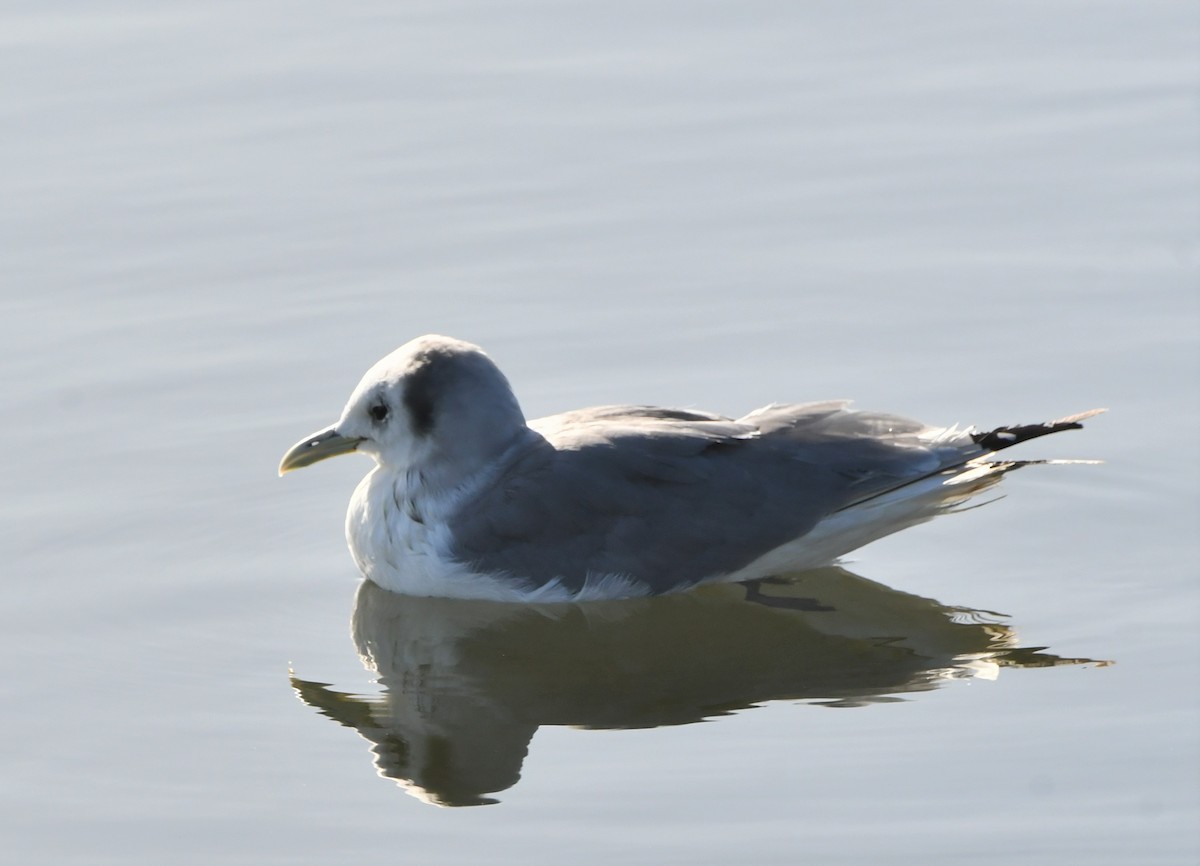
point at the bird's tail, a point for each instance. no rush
(947, 490)
(1006, 437)
(969, 472)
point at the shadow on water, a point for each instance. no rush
(466, 684)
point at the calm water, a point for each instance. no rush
(216, 216)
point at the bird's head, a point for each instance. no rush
(434, 397)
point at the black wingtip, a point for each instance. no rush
(1006, 437)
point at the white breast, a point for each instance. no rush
(394, 541)
(400, 540)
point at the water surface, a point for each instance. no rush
(217, 217)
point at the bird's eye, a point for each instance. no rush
(379, 411)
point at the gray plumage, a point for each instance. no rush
(634, 499)
(666, 496)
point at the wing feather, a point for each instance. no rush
(654, 495)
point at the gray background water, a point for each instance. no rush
(216, 216)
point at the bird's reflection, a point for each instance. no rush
(465, 684)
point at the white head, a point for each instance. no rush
(436, 405)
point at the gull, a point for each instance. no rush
(467, 499)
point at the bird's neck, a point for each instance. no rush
(435, 481)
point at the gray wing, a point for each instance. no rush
(667, 497)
